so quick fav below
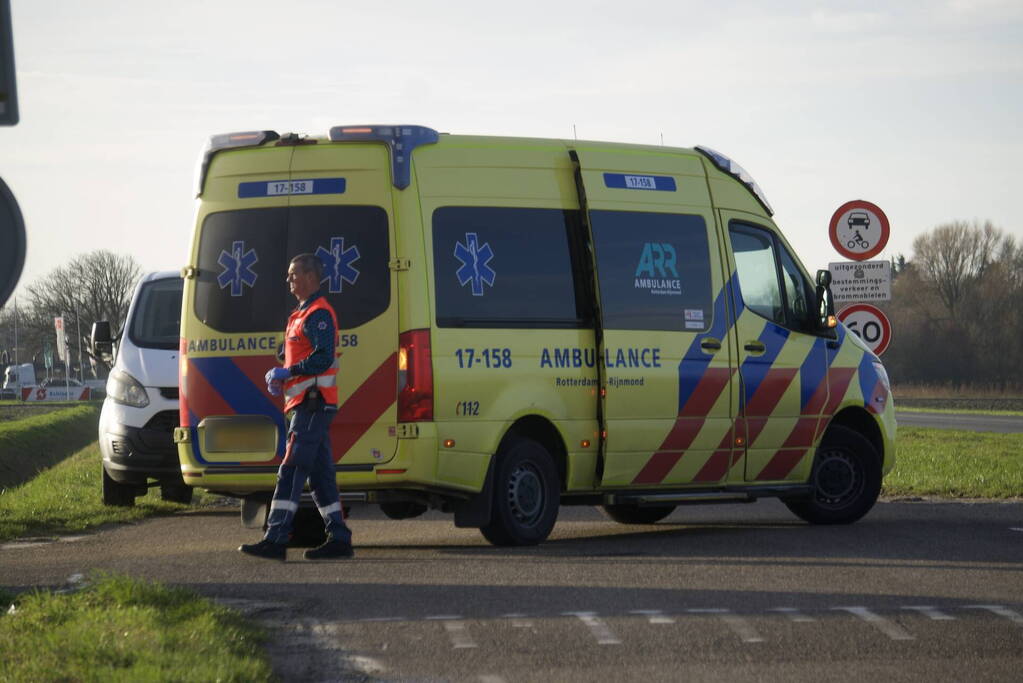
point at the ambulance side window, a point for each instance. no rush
(497, 267)
(654, 270)
(756, 264)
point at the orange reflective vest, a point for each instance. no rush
(297, 347)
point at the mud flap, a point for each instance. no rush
(475, 512)
(254, 511)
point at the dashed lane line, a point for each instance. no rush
(654, 616)
(793, 614)
(597, 626)
(518, 620)
(1002, 611)
(930, 612)
(885, 626)
(460, 638)
(740, 625)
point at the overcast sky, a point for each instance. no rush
(912, 105)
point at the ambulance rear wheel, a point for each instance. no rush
(633, 514)
(846, 479)
(115, 493)
(527, 493)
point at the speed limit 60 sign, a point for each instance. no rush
(870, 324)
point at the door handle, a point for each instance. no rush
(710, 344)
(756, 347)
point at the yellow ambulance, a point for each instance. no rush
(524, 324)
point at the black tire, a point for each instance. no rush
(527, 493)
(176, 493)
(846, 479)
(307, 529)
(116, 493)
(403, 509)
(633, 514)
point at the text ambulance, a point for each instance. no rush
(524, 324)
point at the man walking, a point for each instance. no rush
(309, 382)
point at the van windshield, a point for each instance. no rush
(156, 319)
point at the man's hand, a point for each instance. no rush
(274, 378)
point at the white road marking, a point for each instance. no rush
(444, 617)
(1016, 528)
(739, 625)
(372, 619)
(793, 614)
(889, 628)
(518, 620)
(1012, 615)
(366, 665)
(598, 628)
(931, 612)
(655, 616)
(491, 678)
(459, 636)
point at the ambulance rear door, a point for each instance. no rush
(341, 209)
(664, 319)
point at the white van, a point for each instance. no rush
(140, 411)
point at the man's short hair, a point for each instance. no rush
(309, 262)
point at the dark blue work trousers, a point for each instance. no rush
(307, 458)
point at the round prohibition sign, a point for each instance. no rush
(859, 230)
(870, 324)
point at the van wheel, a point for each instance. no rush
(633, 514)
(116, 493)
(176, 493)
(527, 493)
(402, 510)
(846, 479)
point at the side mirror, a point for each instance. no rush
(825, 301)
(101, 342)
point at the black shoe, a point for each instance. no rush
(266, 549)
(331, 550)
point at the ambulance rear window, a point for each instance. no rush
(504, 267)
(654, 271)
(244, 255)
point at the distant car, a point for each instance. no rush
(859, 219)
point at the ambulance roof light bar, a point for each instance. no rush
(216, 143)
(738, 172)
(401, 139)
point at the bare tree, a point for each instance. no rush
(93, 286)
(953, 257)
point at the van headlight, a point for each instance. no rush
(124, 388)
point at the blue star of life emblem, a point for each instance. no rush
(474, 260)
(337, 264)
(237, 265)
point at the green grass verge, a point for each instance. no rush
(34, 443)
(956, 464)
(121, 629)
(69, 498)
(953, 411)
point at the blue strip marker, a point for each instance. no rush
(280, 188)
(623, 181)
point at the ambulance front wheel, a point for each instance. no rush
(846, 479)
(527, 493)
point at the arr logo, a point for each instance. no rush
(475, 260)
(337, 264)
(657, 270)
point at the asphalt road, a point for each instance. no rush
(915, 591)
(974, 422)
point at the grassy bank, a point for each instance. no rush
(956, 464)
(121, 629)
(68, 498)
(34, 443)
